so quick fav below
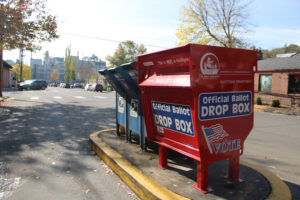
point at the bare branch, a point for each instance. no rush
(217, 22)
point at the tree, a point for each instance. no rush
(73, 70)
(126, 52)
(85, 72)
(70, 66)
(94, 76)
(24, 24)
(54, 75)
(214, 22)
(26, 71)
(292, 48)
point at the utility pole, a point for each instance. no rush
(21, 65)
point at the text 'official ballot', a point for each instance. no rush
(224, 105)
(173, 117)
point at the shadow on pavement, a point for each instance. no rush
(295, 190)
(50, 140)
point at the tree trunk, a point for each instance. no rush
(1, 70)
(21, 71)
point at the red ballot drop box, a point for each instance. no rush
(198, 100)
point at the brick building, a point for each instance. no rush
(279, 78)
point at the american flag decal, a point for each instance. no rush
(213, 134)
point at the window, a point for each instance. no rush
(265, 83)
(294, 83)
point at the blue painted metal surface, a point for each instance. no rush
(128, 100)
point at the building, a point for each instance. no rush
(93, 61)
(88, 67)
(9, 77)
(37, 71)
(41, 69)
(279, 78)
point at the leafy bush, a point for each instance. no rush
(104, 87)
(258, 101)
(275, 103)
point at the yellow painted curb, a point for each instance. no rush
(147, 188)
(144, 186)
(279, 190)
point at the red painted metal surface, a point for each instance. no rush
(198, 100)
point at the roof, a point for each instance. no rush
(285, 55)
(5, 64)
(275, 64)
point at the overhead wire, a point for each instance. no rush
(105, 39)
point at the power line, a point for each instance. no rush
(108, 40)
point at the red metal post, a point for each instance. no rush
(202, 177)
(234, 169)
(163, 157)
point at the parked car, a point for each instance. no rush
(33, 85)
(68, 85)
(87, 87)
(76, 85)
(53, 84)
(96, 87)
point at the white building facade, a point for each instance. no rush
(41, 69)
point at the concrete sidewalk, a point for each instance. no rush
(138, 169)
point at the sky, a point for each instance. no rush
(97, 26)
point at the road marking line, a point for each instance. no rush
(80, 97)
(7, 185)
(57, 97)
(34, 98)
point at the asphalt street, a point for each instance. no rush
(44, 150)
(274, 145)
(44, 146)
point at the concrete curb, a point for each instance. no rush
(279, 190)
(147, 188)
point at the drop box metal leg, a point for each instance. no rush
(234, 170)
(202, 177)
(163, 157)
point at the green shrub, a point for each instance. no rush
(258, 101)
(275, 103)
(104, 87)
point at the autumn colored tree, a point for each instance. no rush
(214, 22)
(94, 77)
(85, 72)
(26, 71)
(54, 75)
(70, 66)
(126, 52)
(24, 24)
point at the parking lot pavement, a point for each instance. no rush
(44, 146)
